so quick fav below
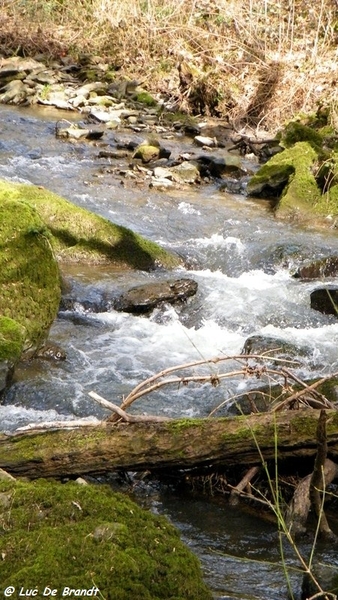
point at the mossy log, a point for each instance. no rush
(174, 444)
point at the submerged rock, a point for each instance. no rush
(324, 267)
(78, 133)
(50, 351)
(272, 347)
(138, 299)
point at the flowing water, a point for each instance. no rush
(242, 259)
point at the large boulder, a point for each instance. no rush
(12, 338)
(77, 235)
(29, 280)
(85, 537)
(289, 177)
(38, 227)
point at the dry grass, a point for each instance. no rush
(260, 61)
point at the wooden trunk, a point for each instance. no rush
(175, 444)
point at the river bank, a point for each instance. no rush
(259, 65)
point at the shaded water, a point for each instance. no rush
(242, 260)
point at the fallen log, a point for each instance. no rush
(175, 444)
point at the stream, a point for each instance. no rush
(242, 260)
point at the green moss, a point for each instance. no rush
(328, 180)
(79, 235)
(270, 180)
(297, 132)
(147, 152)
(29, 274)
(145, 98)
(12, 336)
(109, 76)
(330, 200)
(300, 195)
(179, 425)
(89, 75)
(83, 536)
(180, 117)
(36, 446)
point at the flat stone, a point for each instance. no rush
(163, 173)
(105, 116)
(86, 89)
(17, 64)
(143, 298)
(161, 184)
(202, 140)
(186, 172)
(43, 77)
(15, 92)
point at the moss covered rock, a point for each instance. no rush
(82, 537)
(79, 235)
(144, 97)
(29, 279)
(270, 180)
(302, 195)
(150, 150)
(295, 182)
(12, 337)
(297, 132)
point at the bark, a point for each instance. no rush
(299, 508)
(176, 444)
(318, 484)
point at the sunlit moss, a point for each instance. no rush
(12, 337)
(29, 274)
(79, 536)
(76, 234)
(299, 194)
